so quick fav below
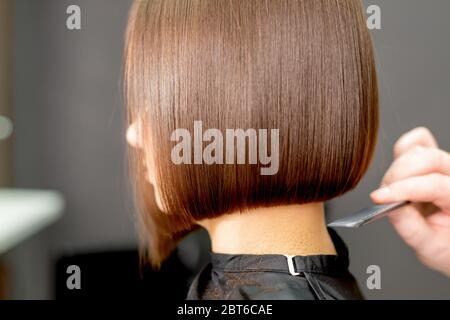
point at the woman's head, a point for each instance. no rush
(302, 67)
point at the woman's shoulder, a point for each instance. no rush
(212, 284)
(275, 277)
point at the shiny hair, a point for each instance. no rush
(305, 67)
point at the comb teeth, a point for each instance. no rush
(366, 216)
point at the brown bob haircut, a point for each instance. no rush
(305, 67)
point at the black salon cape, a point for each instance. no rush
(267, 277)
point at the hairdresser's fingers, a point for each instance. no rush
(418, 161)
(416, 137)
(412, 227)
(430, 242)
(433, 188)
(441, 219)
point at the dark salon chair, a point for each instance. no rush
(119, 274)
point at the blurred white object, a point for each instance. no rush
(6, 128)
(23, 213)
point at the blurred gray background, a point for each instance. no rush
(69, 134)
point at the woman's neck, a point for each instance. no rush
(291, 230)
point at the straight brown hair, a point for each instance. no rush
(305, 67)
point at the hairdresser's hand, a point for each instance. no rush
(421, 174)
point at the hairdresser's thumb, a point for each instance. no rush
(383, 195)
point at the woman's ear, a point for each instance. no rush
(135, 139)
(133, 136)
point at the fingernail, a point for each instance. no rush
(382, 193)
